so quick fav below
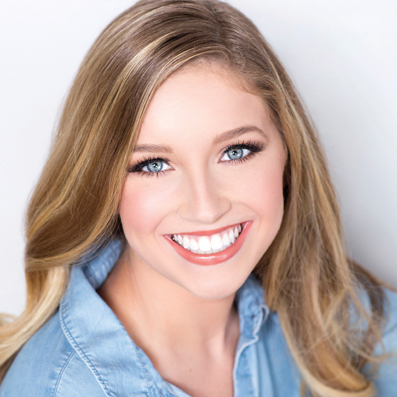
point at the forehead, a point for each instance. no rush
(201, 99)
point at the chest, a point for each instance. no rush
(199, 378)
(261, 368)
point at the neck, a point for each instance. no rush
(159, 314)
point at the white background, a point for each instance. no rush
(341, 54)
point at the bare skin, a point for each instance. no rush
(182, 314)
(182, 350)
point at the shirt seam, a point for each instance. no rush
(142, 367)
(80, 351)
(62, 372)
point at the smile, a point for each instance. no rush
(212, 247)
(214, 243)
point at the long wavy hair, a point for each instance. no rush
(306, 274)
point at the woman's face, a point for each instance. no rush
(208, 165)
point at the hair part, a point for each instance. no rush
(307, 277)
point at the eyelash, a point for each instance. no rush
(137, 168)
(253, 147)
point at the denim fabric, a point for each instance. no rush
(84, 350)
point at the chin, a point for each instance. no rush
(214, 288)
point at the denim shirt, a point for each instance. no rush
(84, 350)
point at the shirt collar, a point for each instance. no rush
(251, 307)
(96, 334)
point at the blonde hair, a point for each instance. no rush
(307, 277)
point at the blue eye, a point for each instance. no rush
(241, 151)
(154, 166)
(235, 153)
(150, 167)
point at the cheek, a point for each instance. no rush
(141, 208)
(267, 202)
(261, 191)
(261, 188)
(267, 193)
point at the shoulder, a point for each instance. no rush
(390, 312)
(390, 327)
(47, 365)
(386, 380)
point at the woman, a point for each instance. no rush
(184, 237)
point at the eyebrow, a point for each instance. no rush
(224, 136)
(153, 148)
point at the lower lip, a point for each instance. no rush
(212, 259)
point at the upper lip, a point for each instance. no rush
(210, 232)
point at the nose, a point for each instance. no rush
(203, 201)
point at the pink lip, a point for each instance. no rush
(211, 259)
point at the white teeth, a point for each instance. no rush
(226, 239)
(216, 242)
(193, 245)
(209, 244)
(231, 236)
(204, 244)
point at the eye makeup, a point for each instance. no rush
(251, 146)
(138, 167)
